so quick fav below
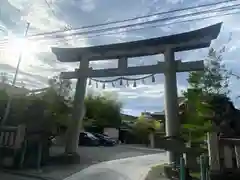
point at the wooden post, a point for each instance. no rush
(151, 139)
(21, 143)
(21, 130)
(206, 162)
(227, 151)
(23, 152)
(237, 153)
(213, 151)
(182, 169)
(39, 155)
(202, 168)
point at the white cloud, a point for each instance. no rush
(38, 14)
(175, 1)
(85, 5)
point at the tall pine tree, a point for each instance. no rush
(203, 85)
(214, 79)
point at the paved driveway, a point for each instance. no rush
(99, 154)
(95, 155)
(133, 168)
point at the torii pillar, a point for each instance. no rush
(167, 45)
(171, 99)
(78, 112)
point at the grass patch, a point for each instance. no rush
(195, 175)
(158, 166)
(156, 172)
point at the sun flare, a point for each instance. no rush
(15, 46)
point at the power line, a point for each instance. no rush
(49, 6)
(149, 22)
(135, 18)
(216, 10)
(67, 27)
(159, 25)
(153, 26)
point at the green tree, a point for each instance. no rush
(215, 77)
(103, 110)
(62, 87)
(143, 127)
(203, 86)
(49, 107)
(58, 106)
(40, 114)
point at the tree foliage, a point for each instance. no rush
(143, 127)
(61, 86)
(42, 111)
(203, 87)
(53, 107)
(215, 77)
(103, 110)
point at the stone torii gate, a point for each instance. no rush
(167, 45)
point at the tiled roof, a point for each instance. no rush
(180, 101)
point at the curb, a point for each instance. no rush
(145, 148)
(29, 175)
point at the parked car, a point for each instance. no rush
(105, 140)
(88, 139)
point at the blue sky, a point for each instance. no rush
(39, 63)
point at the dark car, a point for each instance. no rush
(88, 139)
(105, 140)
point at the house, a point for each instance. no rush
(37, 92)
(147, 115)
(127, 121)
(16, 91)
(13, 90)
(161, 115)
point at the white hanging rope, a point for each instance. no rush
(121, 79)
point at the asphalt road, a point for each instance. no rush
(88, 157)
(132, 168)
(100, 154)
(7, 176)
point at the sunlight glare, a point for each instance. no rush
(18, 45)
(15, 46)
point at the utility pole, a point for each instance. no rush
(7, 111)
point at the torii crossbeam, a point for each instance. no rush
(167, 45)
